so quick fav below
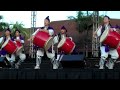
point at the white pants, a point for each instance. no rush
(22, 56)
(59, 57)
(12, 59)
(40, 54)
(110, 63)
(49, 55)
(113, 52)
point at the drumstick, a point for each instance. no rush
(30, 39)
(56, 50)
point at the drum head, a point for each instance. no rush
(61, 42)
(5, 43)
(104, 35)
(48, 44)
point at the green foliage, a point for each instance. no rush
(20, 27)
(13, 27)
(1, 17)
(84, 21)
(3, 26)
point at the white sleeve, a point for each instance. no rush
(51, 32)
(14, 41)
(70, 38)
(35, 32)
(114, 29)
(55, 40)
(1, 39)
(22, 41)
(99, 31)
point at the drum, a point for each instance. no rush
(66, 45)
(19, 47)
(110, 38)
(9, 46)
(118, 50)
(43, 40)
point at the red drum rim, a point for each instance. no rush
(72, 49)
(118, 45)
(15, 50)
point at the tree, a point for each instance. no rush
(84, 24)
(84, 21)
(20, 27)
(1, 17)
(3, 25)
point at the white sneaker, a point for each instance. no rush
(101, 67)
(16, 66)
(55, 66)
(111, 65)
(37, 67)
(107, 64)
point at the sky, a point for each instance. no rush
(24, 17)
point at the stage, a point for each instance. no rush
(69, 69)
(59, 74)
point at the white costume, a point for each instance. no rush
(41, 51)
(21, 55)
(104, 54)
(1, 40)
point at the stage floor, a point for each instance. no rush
(89, 71)
(59, 74)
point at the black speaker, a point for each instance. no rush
(73, 61)
(4, 62)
